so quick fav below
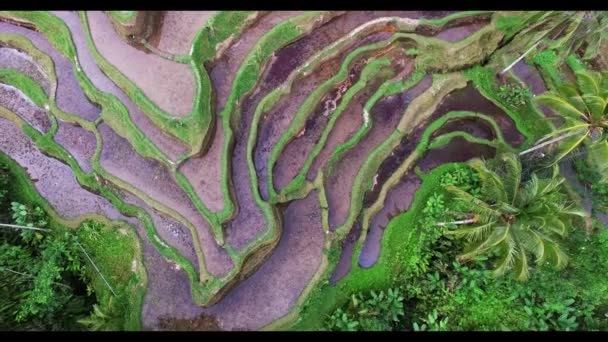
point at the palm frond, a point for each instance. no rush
(560, 105)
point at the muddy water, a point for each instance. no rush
(294, 154)
(51, 178)
(476, 127)
(392, 163)
(249, 221)
(296, 53)
(345, 127)
(276, 122)
(530, 76)
(398, 200)
(168, 84)
(169, 145)
(346, 254)
(153, 179)
(469, 99)
(79, 142)
(15, 101)
(458, 150)
(14, 59)
(288, 58)
(172, 232)
(260, 299)
(204, 172)
(69, 96)
(385, 116)
(457, 33)
(224, 70)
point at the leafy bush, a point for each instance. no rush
(376, 311)
(514, 95)
(591, 178)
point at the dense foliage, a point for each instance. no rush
(445, 294)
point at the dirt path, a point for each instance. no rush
(168, 84)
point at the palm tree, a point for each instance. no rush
(584, 106)
(105, 317)
(512, 218)
(583, 29)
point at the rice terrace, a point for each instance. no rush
(303, 170)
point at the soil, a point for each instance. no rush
(15, 101)
(69, 96)
(476, 127)
(398, 200)
(224, 70)
(168, 84)
(204, 171)
(153, 179)
(52, 179)
(78, 141)
(178, 30)
(385, 115)
(169, 145)
(458, 150)
(348, 246)
(469, 99)
(170, 231)
(14, 59)
(457, 33)
(260, 299)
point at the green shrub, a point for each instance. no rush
(514, 95)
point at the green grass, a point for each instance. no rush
(528, 119)
(27, 85)
(123, 17)
(371, 72)
(245, 80)
(401, 245)
(113, 246)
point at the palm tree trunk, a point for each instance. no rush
(467, 221)
(532, 47)
(21, 227)
(521, 57)
(554, 140)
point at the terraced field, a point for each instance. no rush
(259, 156)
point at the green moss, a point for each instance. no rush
(528, 119)
(547, 63)
(26, 85)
